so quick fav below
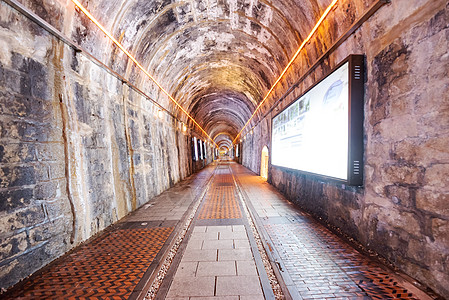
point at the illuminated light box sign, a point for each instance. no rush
(322, 131)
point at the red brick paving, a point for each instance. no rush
(322, 266)
(107, 268)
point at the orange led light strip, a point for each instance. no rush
(312, 32)
(117, 43)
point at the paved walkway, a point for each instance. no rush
(219, 260)
(224, 233)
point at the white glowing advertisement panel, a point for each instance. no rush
(314, 133)
(195, 149)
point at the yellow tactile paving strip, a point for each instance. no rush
(221, 202)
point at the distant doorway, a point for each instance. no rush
(264, 163)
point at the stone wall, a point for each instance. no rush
(402, 211)
(79, 149)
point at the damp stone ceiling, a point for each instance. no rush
(218, 58)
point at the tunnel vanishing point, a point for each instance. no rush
(103, 105)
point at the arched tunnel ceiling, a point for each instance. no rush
(218, 58)
(223, 140)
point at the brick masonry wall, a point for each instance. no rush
(402, 212)
(78, 148)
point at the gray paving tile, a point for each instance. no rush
(238, 285)
(233, 235)
(246, 268)
(187, 269)
(195, 244)
(218, 244)
(216, 268)
(199, 229)
(236, 228)
(241, 244)
(235, 254)
(219, 228)
(196, 286)
(200, 255)
(204, 236)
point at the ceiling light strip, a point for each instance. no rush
(118, 44)
(312, 32)
(359, 22)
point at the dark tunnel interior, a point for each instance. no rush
(104, 104)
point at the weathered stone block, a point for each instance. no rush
(396, 220)
(17, 176)
(398, 245)
(22, 267)
(32, 108)
(51, 11)
(30, 132)
(13, 245)
(56, 246)
(405, 126)
(57, 170)
(50, 152)
(440, 231)
(431, 99)
(437, 176)
(8, 130)
(13, 81)
(385, 239)
(400, 86)
(381, 202)
(25, 86)
(12, 199)
(399, 195)
(42, 172)
(6, 98)
(22, 218)
(438, 22)
(48, 230)
(134, 134)
(406, 151)
(57, 208)
(32, 215)
(402, 175)
(434, 123)
(378, 150)
(39, 86)
(394, 57)
(81, 102)
(19, 62)
(369, 174)
(435, 279)
(417, 251)
(433, 201)
(402, 105)
(137, 159)
(47, 190)
(17, 153)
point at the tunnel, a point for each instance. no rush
(136, 132)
